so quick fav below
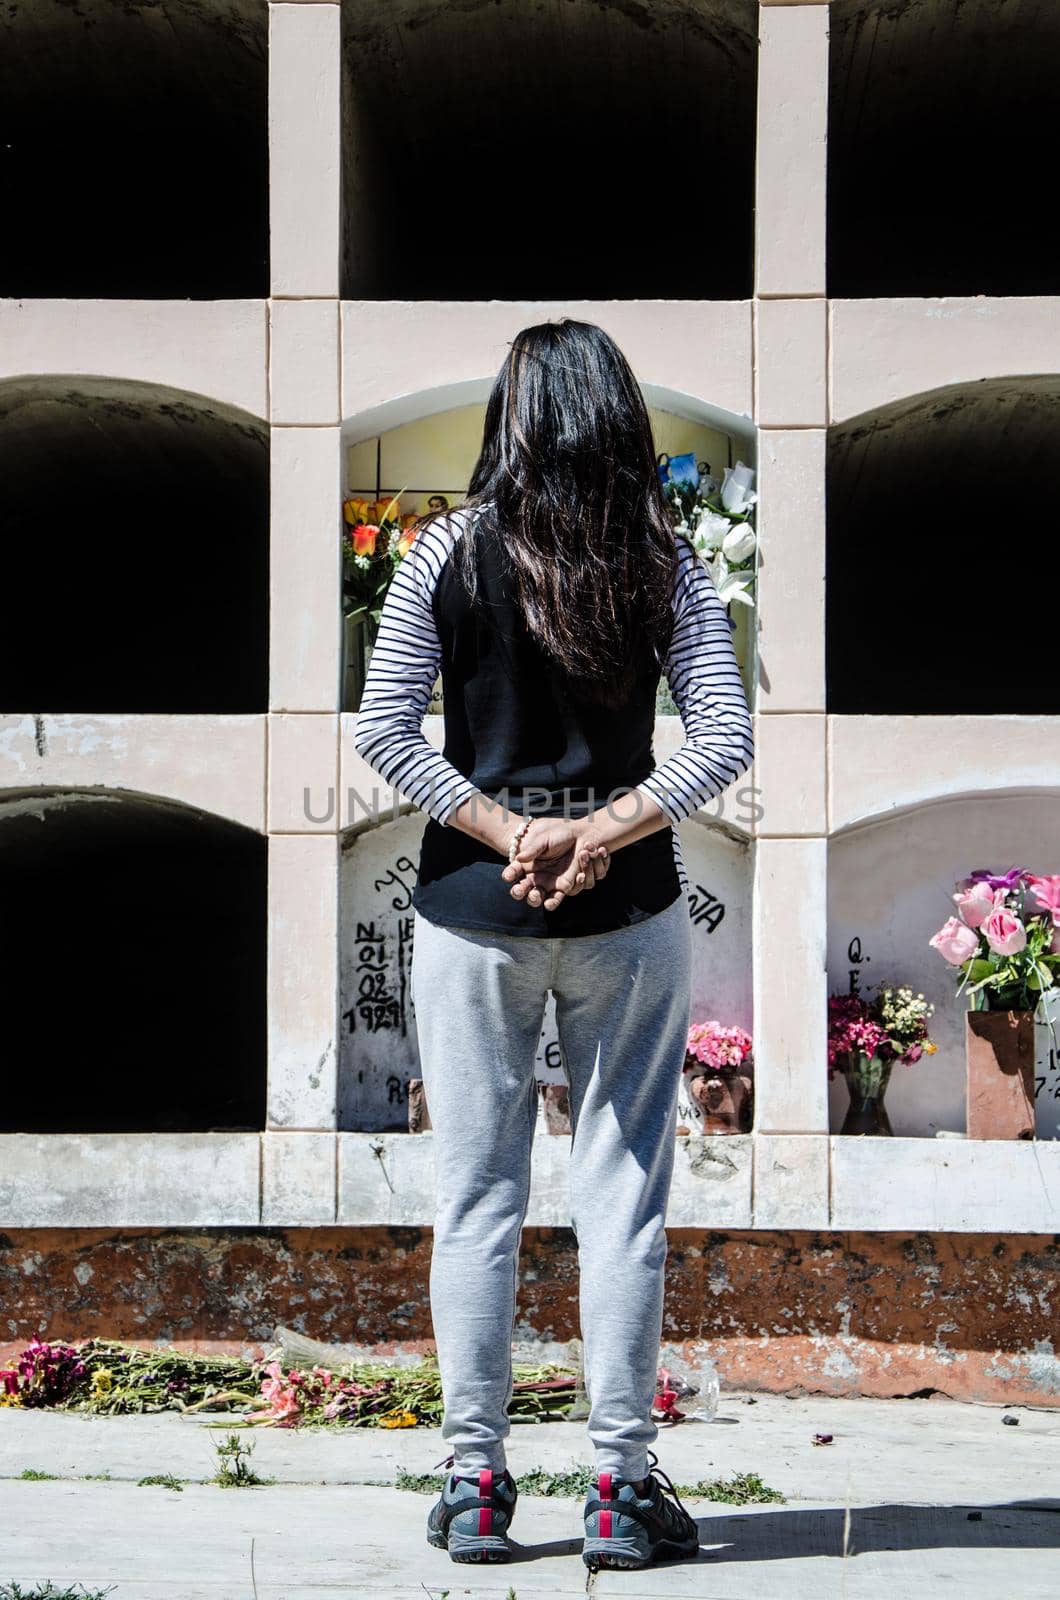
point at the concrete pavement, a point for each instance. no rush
(912, 1498)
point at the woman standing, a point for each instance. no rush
(550, 602)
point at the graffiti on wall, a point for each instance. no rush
(378, 1053)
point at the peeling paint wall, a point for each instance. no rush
(968, 1316)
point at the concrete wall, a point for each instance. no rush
(772, 373)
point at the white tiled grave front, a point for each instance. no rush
(378, 1052)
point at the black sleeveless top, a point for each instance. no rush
(515, 729)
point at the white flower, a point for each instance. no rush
(739, 542)
(711, 530)
(730, 585)
(736, 492)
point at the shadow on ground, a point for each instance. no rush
(790, 1535)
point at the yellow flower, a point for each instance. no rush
(398, 1419)
(929, 1048)
(10, 1399)
(355, 511)
(102, 1381)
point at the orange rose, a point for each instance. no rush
(404, 543)
(363, 538)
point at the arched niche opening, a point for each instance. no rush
(938, 558)
(608, 149)
(378, 1052)
(134, 529)
(890, 883)
(939, 117)
(135, 142)
(427, 446)
(132, 944)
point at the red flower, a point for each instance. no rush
(363, 538)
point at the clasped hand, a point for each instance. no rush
(555, 860)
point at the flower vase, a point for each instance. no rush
(359, 634)
(999, 1057)
(716, 1102)
(867, 1079)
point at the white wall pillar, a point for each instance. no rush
(303, 980)
(305, 169)
(791, 150)
(305, 570)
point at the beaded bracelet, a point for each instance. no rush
(517, 837)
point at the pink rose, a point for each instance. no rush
(975, 904)
(955, 942)
(1043, 894)
(1004, 932)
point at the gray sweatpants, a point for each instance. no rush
(622, 1011)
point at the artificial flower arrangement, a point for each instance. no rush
(1005, 940)
(718, 1079)
(716, 517)
(1005, 946)
(376, 537)
(712, 1045)
(866, 1036)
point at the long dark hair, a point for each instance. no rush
(567, 479)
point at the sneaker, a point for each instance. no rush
(624, 1529)
(472, 1517)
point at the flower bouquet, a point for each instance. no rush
(718, 1087)
(376, 537)
(865, 1038)
(1005, 945)
(716, 517)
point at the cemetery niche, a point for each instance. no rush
(135, 143)
(914, 164)
(890, 882)
(136, 522)
(133, 949)
(378, 1053)
(653, 100)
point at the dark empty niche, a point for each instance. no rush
(942, 560)
(133, 550)
(134, 149)
(563, 149)
(942, 124)
(132, 944)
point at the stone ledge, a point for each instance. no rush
(389, 1178)
(284, 1180)
(104, 1180)
(946, 1185)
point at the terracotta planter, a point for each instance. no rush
(866, 1083)
(419, 1116)
(555, 1100)
(716, 1102)
(999, 1053)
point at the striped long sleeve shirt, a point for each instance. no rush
(512, 730)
